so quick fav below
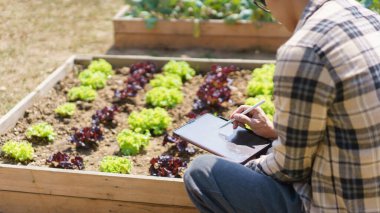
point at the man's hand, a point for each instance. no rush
(256, 120)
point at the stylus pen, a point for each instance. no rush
(244, 112)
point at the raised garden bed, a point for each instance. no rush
(213, 34)
(45, 189)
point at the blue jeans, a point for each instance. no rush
(218, 185)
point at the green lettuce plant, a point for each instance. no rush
(114, 164)
(130, 142)
(155, 120)
(95, 80)
(168, 81)
(43, 131)
(262, 81)
(267, 106)
(82, 93)
(66, 110)
(164, 97)
(19, 151)
(101, 65)
(180, 68)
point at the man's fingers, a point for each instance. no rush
(243, 119)
(235, 124)
(258, 110)
(240, 109)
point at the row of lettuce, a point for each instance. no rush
(165, 92)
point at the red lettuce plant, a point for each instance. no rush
(214, 91)
(167, 166)
(139, 75)
(64, 161)
(87, 137)
(181, 145)
(105, 115)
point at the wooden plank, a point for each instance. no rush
(241, 29)
(207, 28)
(10, 119)
(164, 27)
(226, 43)
(15, 202)
(96, 185)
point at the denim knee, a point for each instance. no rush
(200, 169)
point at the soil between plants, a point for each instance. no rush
(43, 110)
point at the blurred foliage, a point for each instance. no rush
(230, 11)
(372, 4)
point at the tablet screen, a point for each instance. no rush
(238, 145)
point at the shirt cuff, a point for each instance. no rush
(255, 164)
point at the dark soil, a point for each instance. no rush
(43, 110)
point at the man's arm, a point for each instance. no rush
(303, 92)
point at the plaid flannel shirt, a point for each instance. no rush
(327, 99)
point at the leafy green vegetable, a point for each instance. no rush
(114, 164)
(180, 68)
(95, 80)
(267, 107)
(155, 120)
(230, 11)
(130, 142)
(41, 130)
(168, 81)
(164, 97)
(19, 151)
(82, 93)
(66, 110)
(101, 65)
(262, 81)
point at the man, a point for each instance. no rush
(326, 152)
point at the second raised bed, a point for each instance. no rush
(213, 34)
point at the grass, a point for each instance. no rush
(37, 36)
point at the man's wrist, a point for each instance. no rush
(273, 136)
